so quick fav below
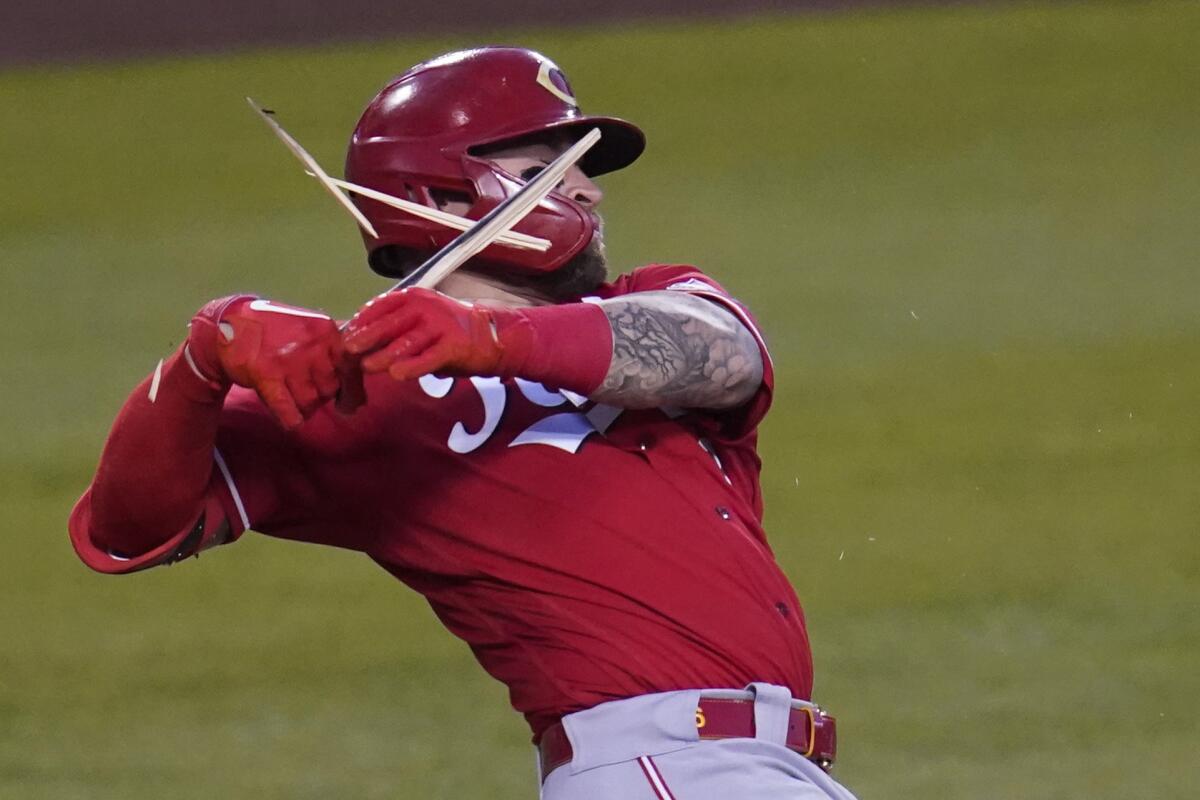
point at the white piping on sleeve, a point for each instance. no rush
(237, 498)
(155, 381)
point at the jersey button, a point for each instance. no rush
(723, 512)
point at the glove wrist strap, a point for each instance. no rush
(565, 346)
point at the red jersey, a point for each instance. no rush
(585, 553)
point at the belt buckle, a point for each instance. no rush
(825, 763)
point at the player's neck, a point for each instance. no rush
(489, 291)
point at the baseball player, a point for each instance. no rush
(564, 466)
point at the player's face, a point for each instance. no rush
(526, 160)
(588, 268)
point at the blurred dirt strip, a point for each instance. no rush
(72, 31)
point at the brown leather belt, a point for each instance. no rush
(811, 732)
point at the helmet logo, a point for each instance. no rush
(552, 80)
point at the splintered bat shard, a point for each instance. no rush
(311, 164)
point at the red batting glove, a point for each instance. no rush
(416, 331)
(413, 332)
(292, 357)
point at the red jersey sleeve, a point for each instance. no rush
(262, 479)
(729, 425)
(160, 492)
(206, 533)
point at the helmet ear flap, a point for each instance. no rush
(567, 225)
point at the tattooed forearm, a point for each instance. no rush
(675, 349)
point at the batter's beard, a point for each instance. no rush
(580, 276)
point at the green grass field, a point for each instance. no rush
(972, 236)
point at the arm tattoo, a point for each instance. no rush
(676, 349)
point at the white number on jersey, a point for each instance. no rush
(565, 430)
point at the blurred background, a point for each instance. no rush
(970, 232)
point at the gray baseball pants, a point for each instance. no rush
(648, 748)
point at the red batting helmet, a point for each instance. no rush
(420, 138)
